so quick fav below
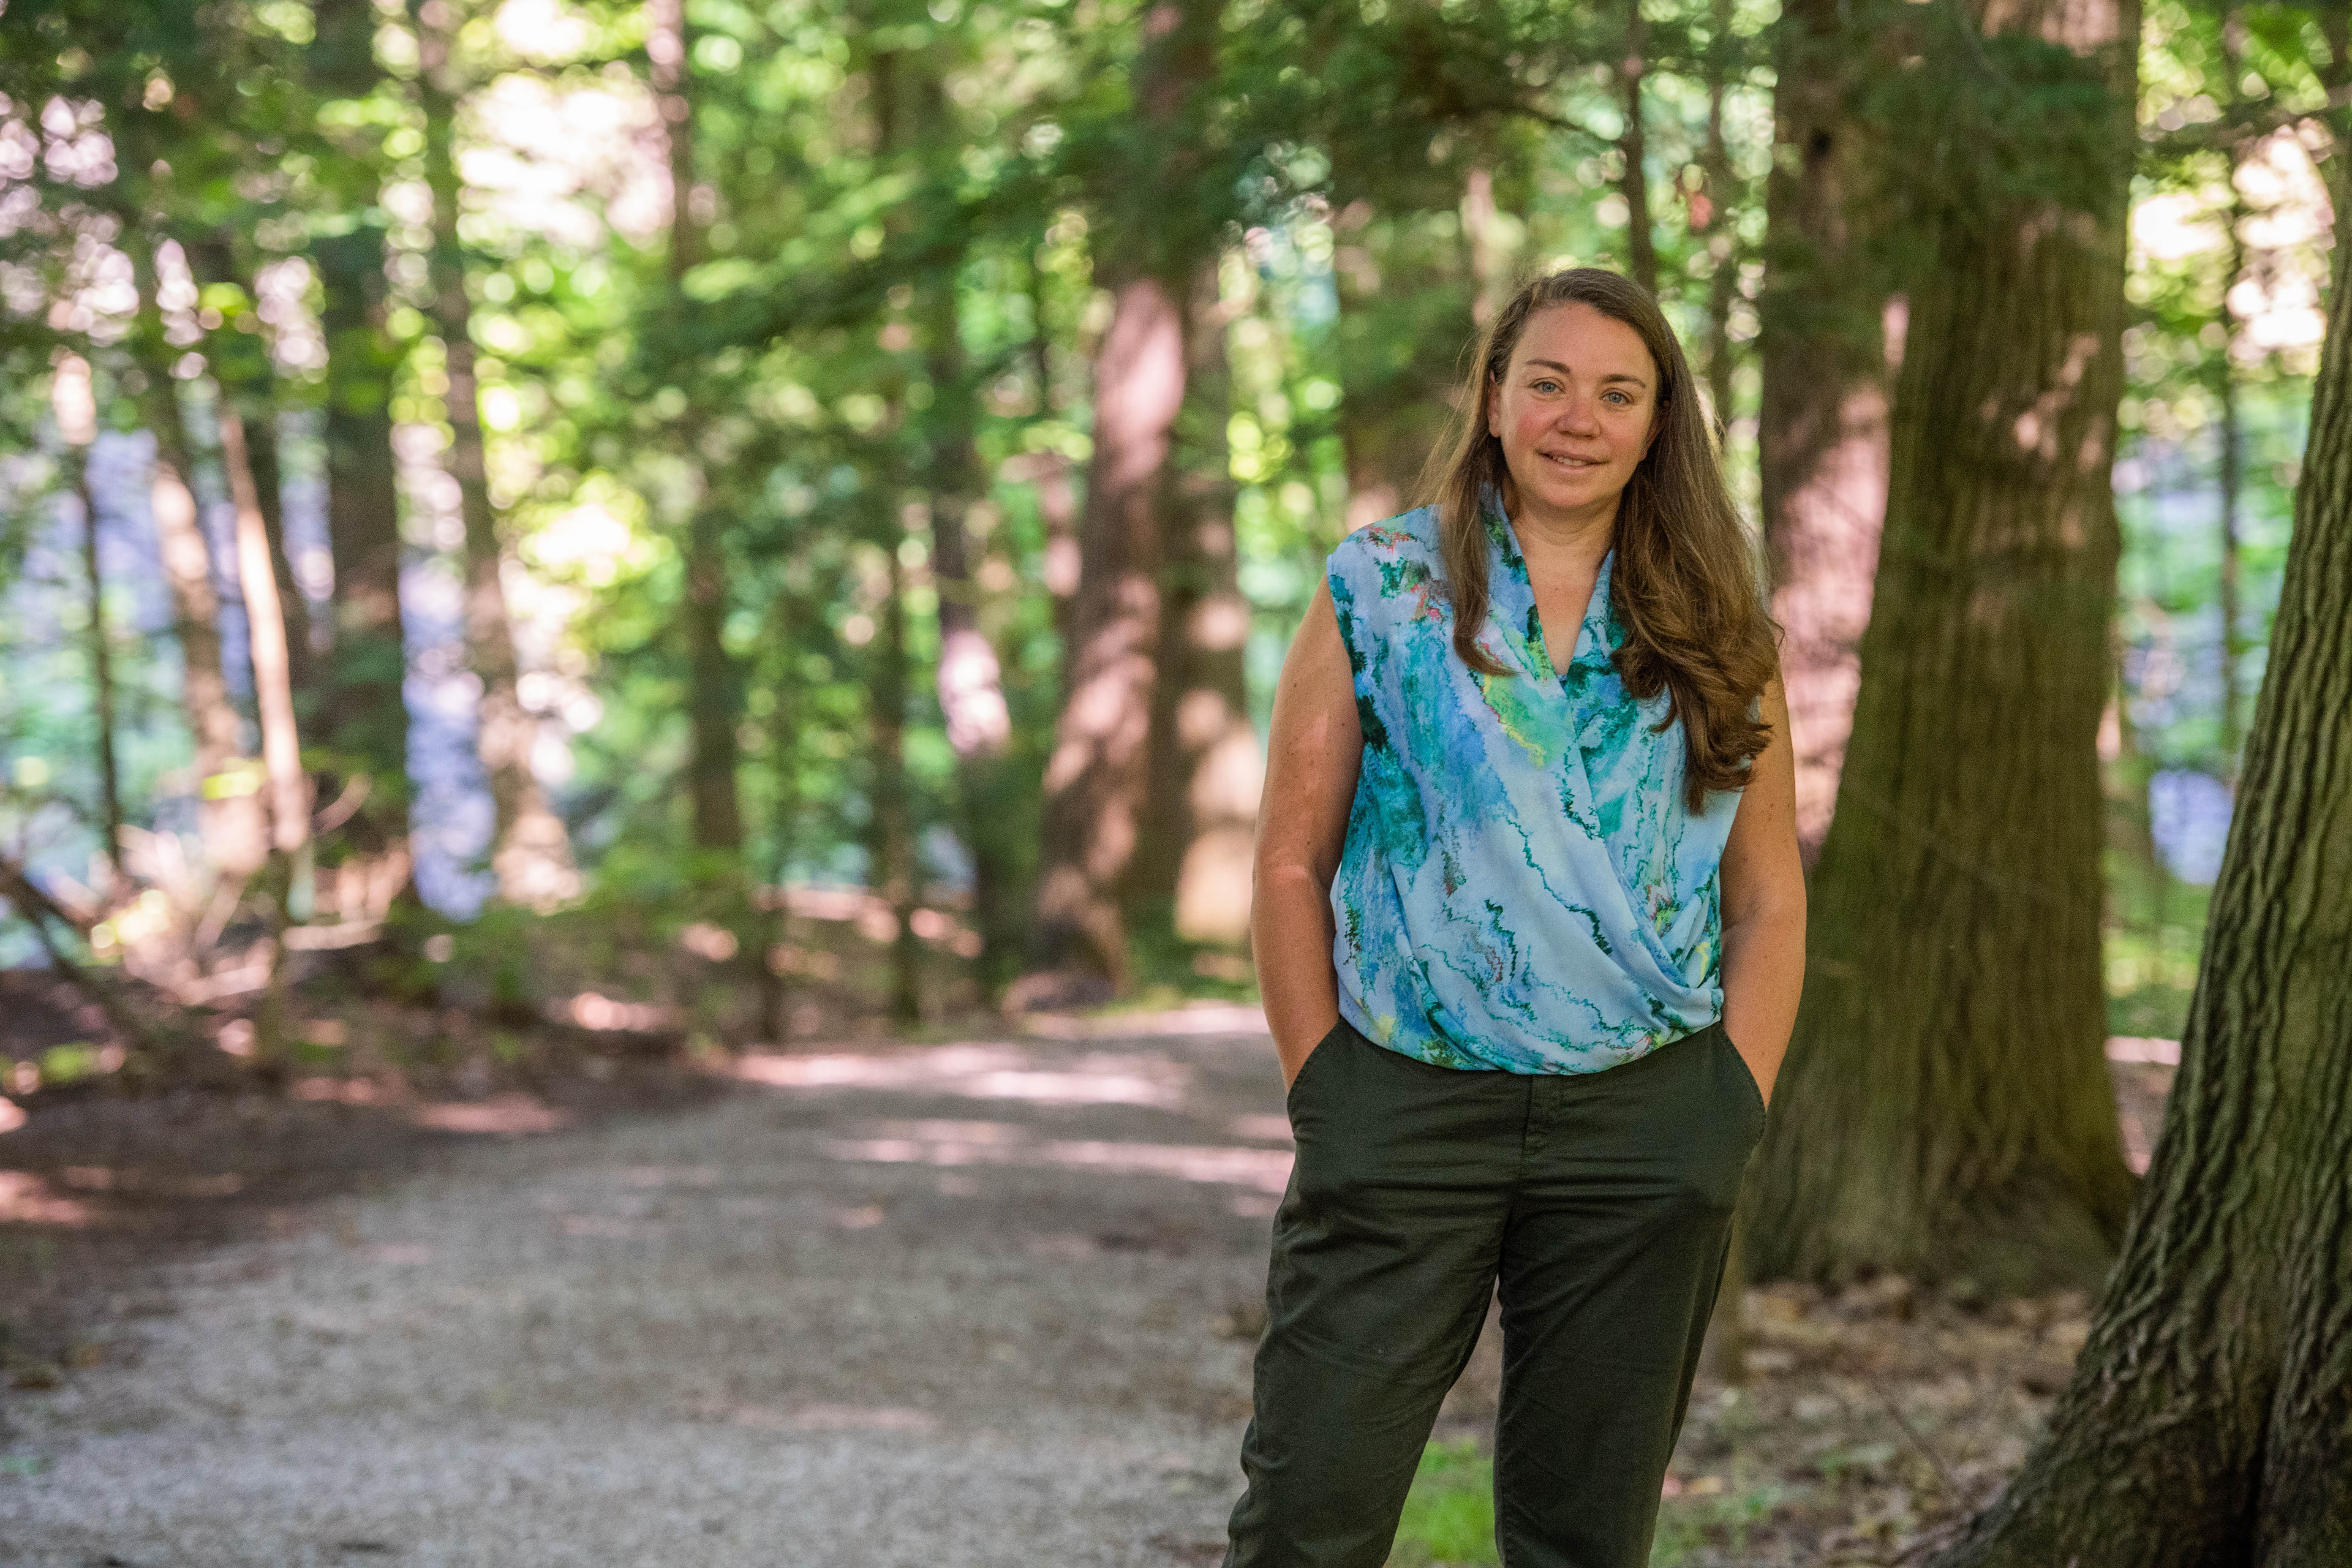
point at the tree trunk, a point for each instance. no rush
(273, 696)
(242, 370)
(530, 854)
(2233, 27)
(229, 820)
(362, 720)
(73, 398)
(893, 830)
(2209, 1421)
(1632, 146)
(971, 677)
(1946, 1112)
(1096, 778)
(1207, 769)
(273, 686)
(783, 766)
(1715, 192)
(1822, 430)
(712, 706)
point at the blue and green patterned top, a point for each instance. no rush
(1523, 886)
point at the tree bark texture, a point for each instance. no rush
(530, 854)
(1097, 775)
(2209, 1421)
(1821, 431)
(1945, 1111)
(363, 722)
(1207, 768)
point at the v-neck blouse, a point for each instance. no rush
(1523, 886)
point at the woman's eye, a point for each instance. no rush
(1547, 384)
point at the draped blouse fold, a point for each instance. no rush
(1523, 886)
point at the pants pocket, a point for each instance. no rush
(1751, 1092)
(1322, 1048)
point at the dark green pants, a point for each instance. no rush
(1601, 1201)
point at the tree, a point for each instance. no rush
(1097, 779)
(530, 852)
(2210, 1419)
(1946, 1112)
(363, 717)
(712, 683)
(1206, 768)
(1821, 431)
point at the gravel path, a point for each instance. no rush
(988, 1303)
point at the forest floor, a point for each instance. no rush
(984, 1302)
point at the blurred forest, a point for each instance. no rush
(578, 538)
(725, 521)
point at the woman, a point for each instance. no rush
(1530, 928)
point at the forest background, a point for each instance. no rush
(703, 453)
(533, 532)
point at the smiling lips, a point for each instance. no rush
(1567, 461)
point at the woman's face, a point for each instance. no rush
(1575, 413)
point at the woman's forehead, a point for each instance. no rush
(1582, 340)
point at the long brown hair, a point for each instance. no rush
(1685, 578)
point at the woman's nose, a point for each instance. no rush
(1578, 416)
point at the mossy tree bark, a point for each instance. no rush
(2209, 1421)
(1946, 1112)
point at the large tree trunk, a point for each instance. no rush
(364, 717)
(1207, 769)
(229, 818)
(1945, 1111)
(1822, 430)
(1096, 778)
(2209, 1421)
(530, 853)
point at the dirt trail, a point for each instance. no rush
(987, 1303)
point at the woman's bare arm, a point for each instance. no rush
(1764, 906)
(1312, 757)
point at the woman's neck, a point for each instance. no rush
(1573, 544)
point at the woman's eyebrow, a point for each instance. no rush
(1613, 376)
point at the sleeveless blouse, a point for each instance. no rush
(1523, 886)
